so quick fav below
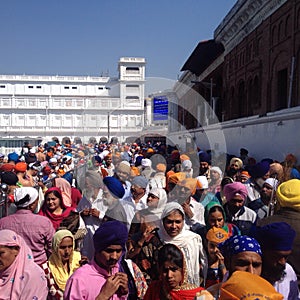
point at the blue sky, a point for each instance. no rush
(77, 37)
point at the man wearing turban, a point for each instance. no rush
(236, 211)
(101, 278)
(36, 230)
(288, 201)
(276, 240)
(234, 169)
(92, 209)
(113, 191)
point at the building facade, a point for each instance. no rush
(34, 106)
(246, 81)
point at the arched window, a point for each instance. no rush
(287, 25)
(242, 100)
(280, 31)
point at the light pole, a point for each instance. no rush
(108, 126)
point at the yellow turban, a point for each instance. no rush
(247, 286)
(288, 194)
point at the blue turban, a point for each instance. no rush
(259, 170)
(110, 233)
(69, 177)
(239, 243)
(13, 156)
(138, 160)
(278, 236)
(204, 157)
(115, 186)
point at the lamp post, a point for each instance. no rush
(108, 126)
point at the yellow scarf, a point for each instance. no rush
(55, 263)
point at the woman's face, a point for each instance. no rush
(171, 275)
(52, 202)
(216, 219)
(7, 256)
(152, 201)
(65, 249)
(173, 223)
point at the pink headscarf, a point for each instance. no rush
(66, 190)
(23, 279)
(232, 189)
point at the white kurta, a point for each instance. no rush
(91, 223)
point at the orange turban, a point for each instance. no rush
(184, 157)
(135, 171)
(190, 183)
(175, 178)
(161, 168)
(21, 167)
(247, 286)
(216, 235)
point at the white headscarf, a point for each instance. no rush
(162, 196)
(189, 243)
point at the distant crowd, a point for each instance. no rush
(147, 221)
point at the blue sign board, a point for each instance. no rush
(160, 108)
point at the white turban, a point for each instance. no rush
(25, 196)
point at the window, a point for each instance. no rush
(30, 86)
(132, 88)
(74, 87)
(100, 88)
(282, 89)
(66, 87)
(39, 87)
(2, 86)
(132, 70)
(132, 97)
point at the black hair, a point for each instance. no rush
(172, 254)
(216, 208)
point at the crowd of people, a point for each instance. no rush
(147, 221)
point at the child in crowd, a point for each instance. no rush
(216, 268)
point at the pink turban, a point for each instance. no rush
(235, 188)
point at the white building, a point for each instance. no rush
(33, 106)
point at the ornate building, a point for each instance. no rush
(75, 106)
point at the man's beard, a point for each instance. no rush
(232, 172)
(274, 274)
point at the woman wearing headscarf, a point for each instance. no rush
(143, 235)
(215, 217)
(172, 231)
(20, 277)
(66, 190)
(54, 208)
(173, 283)
(63, 261)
